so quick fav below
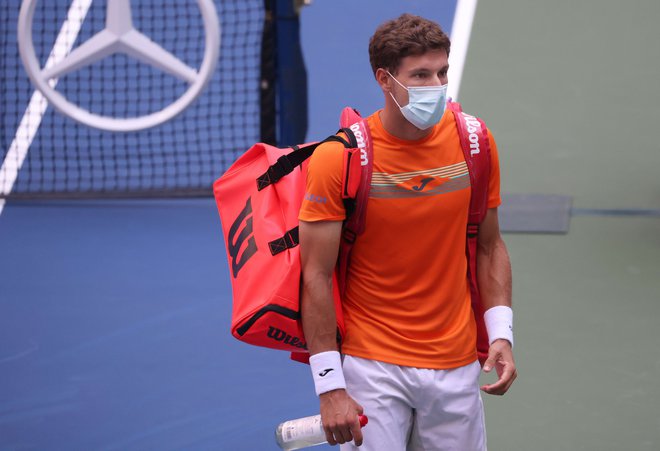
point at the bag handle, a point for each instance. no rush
(287, 163)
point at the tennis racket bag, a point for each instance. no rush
(259, 198)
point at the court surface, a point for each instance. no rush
(114, 315)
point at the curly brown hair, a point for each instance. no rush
(404, 36)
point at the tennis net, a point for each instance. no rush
(181, 157)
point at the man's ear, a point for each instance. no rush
(384, 80)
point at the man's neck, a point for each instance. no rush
(397, 125)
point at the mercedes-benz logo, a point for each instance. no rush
(120, 36)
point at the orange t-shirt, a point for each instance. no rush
(407, 299)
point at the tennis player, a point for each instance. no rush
(408, 360)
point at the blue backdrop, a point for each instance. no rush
(335, 40)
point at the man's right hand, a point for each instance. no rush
(339, 414)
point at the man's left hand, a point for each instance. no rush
(500, 357)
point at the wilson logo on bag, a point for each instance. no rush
(236, 240)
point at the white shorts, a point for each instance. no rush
(413, 409)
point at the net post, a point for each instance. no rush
(268, 79)
(291, 75)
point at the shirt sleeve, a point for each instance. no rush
(494, 197)
(323, 201)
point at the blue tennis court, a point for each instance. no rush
(115, 334)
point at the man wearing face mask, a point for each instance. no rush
(408, 360)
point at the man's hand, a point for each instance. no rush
(339, 414)
(500, 356)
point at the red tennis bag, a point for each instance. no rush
(259, 198)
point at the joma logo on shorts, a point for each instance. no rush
(473, 126)
(279, 335)
(357, 131)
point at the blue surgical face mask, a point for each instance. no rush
(426, 104)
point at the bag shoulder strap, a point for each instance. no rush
(473, 136)
(356, 184)
(287, 163)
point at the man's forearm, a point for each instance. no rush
(318, 313)
(494, 275)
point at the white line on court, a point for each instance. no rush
(36, 109)
(460, 40)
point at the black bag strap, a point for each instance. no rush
(287, 163)
(288, 241)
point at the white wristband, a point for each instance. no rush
(327, 372)
(499, 323)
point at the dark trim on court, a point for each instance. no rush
(620, 212)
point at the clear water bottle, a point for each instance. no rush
(304, 432)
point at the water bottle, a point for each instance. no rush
(304, 432)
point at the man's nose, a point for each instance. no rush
(439, 81)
